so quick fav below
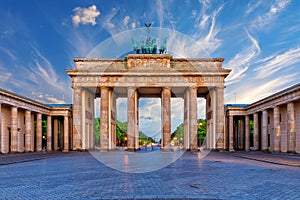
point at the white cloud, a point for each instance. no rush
(126, 20)
(160, 12)
(257, 90)
(55, 100)
(108, 24)
(9, 53)
(203, 21)
(252, 6)
(242, 60)
(133, 25)
(85, 15)
(262, 20)
(210, 42)
(4, 76)
(275, 63)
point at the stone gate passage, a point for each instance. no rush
(147, 75)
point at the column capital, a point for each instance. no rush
(220, 87)
(193, 87)
(166, 87)
(77, 88)
(104, 87)
(131, 88)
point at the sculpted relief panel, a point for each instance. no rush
(111, 81)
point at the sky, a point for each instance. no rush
(258, 39)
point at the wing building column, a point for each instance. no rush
(247, 133)
(55, 134)
(276, 118)
(14, 129)
(256, 132)
(66, 134)
(39, 132)
(49, 133)
(264, 130)
(4, 135)
(291, 126)
(28, 131)
(231, 134)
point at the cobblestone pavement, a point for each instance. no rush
(77, 175)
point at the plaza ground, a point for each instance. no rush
(219, 175)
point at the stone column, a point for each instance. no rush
(104, 122)
(77, 119)
(14, 129)
(220, 119)
(193, 122)
(113, 122)
(226, 133)
(235, 134)
(66, 134)
(242, 132)
(137, 134)
(61, 134)
(4, 135)
(186, 138)
(49, 134)
(256, 132)
(33, 133)
(131, 118)
(55, 134)
(166, 117)
(21, 132)
(231, 136)
(28, 131)
(39, 132)
(247, 133)
(264, 145)
(276, 131)
(291, 127)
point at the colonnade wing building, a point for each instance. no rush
(271, 124)
(21, 125)
(147, 75)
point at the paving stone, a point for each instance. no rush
(78, 175)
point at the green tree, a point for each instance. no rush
(97, 131)
(201, 129)
(178, 135)
(121, 133)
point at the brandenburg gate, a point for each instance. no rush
(147, 75)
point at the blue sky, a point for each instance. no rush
(258, 39)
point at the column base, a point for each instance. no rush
(130, 149)
(65, 151)
(231, 150)
(166, 149)
(194, 150)
(266, 151)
